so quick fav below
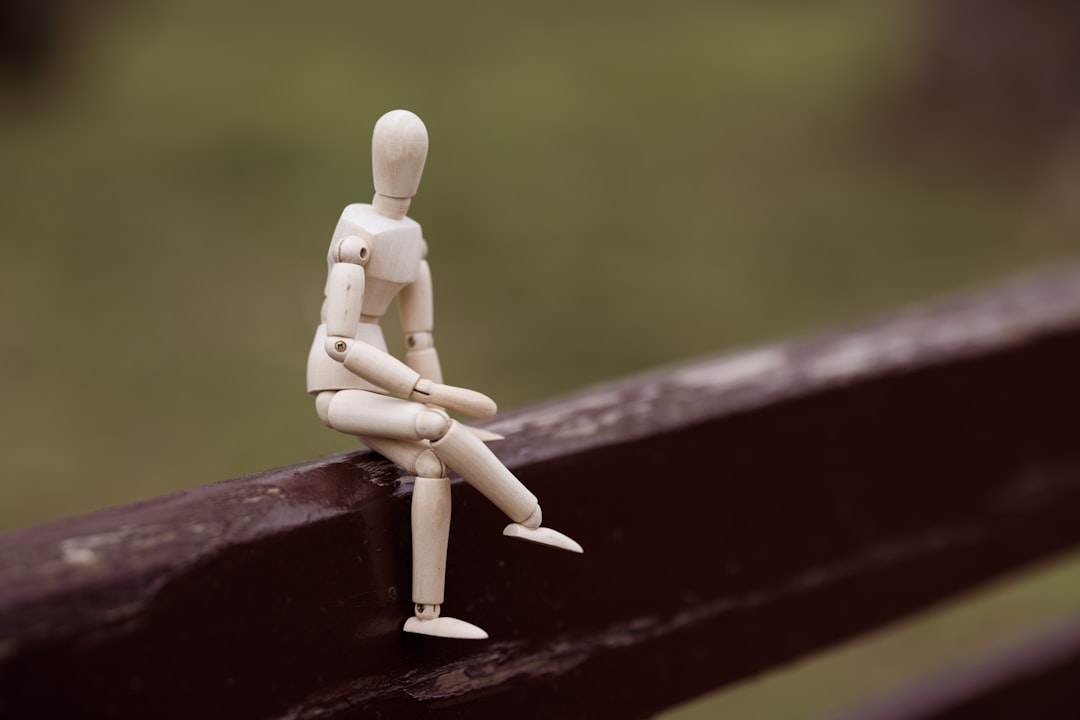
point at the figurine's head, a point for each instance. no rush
(398, 149)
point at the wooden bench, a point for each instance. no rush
(736, 513)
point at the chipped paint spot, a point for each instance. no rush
(845, 361)
(88, 550)
(75, 554)
(581, 427)
(83, 551)
(153, 540)
(561, 415)
(734, 370)
(263, 493)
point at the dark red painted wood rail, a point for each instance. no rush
(736, 513)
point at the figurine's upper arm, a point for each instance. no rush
(345, 286)
(344, 308)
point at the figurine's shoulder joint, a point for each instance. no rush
(351, 249)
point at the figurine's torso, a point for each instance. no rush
(397, 247)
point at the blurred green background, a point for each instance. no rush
(610, 187)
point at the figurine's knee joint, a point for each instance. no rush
(429, 465)
(322, 406)
(432, 423)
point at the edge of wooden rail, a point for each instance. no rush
(1036, 677)
(736, 513)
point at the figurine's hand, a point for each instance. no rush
(466, 402)
(338, 347)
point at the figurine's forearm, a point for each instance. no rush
(462, 400)
(372, 364)
(394, 376)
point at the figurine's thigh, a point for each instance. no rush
(406, 453)
(368, 414)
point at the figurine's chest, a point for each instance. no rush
(394, 263)
(395, 257)
(396, 250)
(397, 245)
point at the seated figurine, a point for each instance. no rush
(399, 408)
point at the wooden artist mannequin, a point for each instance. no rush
(376, 255)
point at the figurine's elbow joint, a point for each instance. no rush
(419, 341)
(338, 347)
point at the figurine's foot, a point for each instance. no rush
(445, 627)
(543, 536)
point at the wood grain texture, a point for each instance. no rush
(736, 513)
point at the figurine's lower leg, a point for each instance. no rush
(470, 457)
(467, 455)
(430, 533)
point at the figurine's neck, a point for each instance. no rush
(391, 206)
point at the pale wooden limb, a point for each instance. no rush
(375, 366)
(462, 400)
(430, 534)
(418, 321)
(467, 455)
(371, 415)
(344, 299)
